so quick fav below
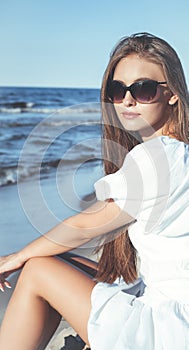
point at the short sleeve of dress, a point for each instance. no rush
(141, 187)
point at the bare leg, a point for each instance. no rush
(44, 283)
(51, 324)
(84, 264)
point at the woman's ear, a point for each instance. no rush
(173, 99)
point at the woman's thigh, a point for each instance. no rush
(64, 287)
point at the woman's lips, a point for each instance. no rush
(130, 115)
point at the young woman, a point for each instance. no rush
(141, 214)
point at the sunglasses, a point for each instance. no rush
(142, 91)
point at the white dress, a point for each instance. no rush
(153, 187)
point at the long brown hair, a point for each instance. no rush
(118, 256)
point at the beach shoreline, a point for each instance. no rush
(28, 210)
(17, 229)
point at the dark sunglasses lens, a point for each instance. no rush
(144, 91)
(116, 91)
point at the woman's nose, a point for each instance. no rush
(128, 99)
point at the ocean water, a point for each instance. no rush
(43, 129)
(50, 157)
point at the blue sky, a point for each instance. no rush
(66, 43)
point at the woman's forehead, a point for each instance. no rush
(134, 67)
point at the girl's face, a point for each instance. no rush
(146, 118)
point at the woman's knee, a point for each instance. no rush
(33, 271)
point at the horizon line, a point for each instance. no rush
(49, 87)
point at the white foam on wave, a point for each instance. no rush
(11, 110)
(9, 177)
(66, 110)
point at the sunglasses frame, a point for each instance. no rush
(131, 87)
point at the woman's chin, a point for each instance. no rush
(138, 125)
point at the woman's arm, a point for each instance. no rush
(100, 218)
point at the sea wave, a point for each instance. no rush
(23, 172)
(8, 176)
(18, 104)
(23, 107)
(48, 123)
(50, 120)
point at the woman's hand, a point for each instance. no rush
(9, 264)
(4, 283)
